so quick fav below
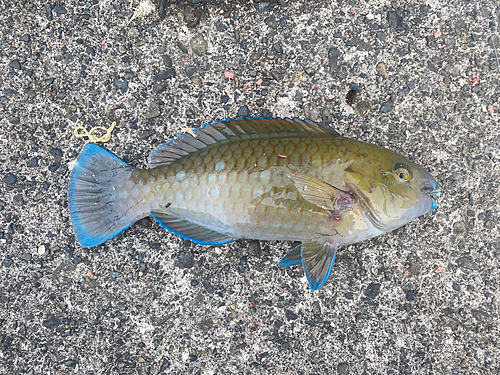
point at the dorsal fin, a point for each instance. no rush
(209, 134)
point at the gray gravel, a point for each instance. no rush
(421, 300)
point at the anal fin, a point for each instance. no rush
(189, 230)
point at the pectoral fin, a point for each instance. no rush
(319, 192)
(317, 260)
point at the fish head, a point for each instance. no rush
(391, 189)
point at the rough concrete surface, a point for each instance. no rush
(421, 300)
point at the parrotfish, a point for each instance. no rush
(265, 179)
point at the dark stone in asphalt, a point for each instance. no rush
(243, 112)
(186, 261)
(208, 287)
(410, 295)
(342, 368)
(386, 107)
(121, 84)
(169, 73)
(15, 64)
(9, 179)
(60, 10)
(52, 322)
(9, 92)
(372, 291)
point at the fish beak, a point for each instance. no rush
(436, 191)
(434, 204)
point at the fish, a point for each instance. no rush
(255, 178)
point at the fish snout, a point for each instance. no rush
(431, 188)
(432, 191)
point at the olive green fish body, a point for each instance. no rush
(266, 179)
(242, 189)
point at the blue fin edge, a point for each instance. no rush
(318, 285)
(196, 241)
(285, 261)
(82, 234)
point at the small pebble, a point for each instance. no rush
(363, 108)
(52, 322)
(386, 107)
(208, 287)
(26, 257)
(9, 92)
(243, 112)
(381, 69)
(310, 71)
(199, 45)
(410, 295)
(41, 250)
(167, 61)
(290, 315)
(60, 10)
(14, 120)
(121, 84)
(191, 70)
(153, 111)
(342, 368)
(372, 291)
(9, 179)
(15, 64)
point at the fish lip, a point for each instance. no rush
(431, 190)
(436, 191)
(434, 204)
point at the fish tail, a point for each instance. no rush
(100, 204)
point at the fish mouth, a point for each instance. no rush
(436, 192)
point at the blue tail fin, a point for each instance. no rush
(97, 195)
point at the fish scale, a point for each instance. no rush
(267, 179)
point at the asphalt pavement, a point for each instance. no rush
(421, 78)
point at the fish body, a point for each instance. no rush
(266, 179)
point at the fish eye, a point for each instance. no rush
(402, 171)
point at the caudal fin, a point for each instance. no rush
(97, 194)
